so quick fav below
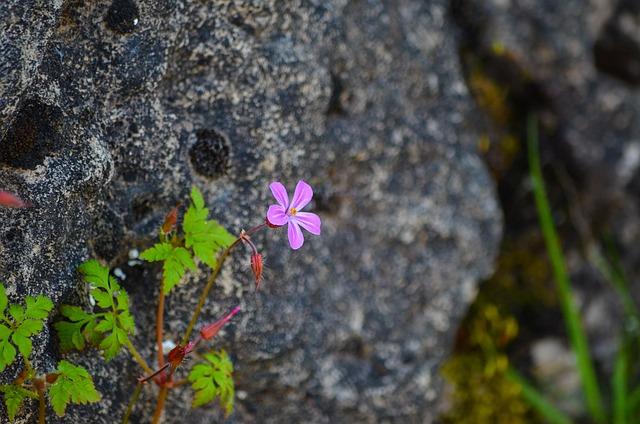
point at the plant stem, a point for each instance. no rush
(139, 359)
(211, 281)
(132, 403)
(157, 414)
(549, 412)
(39, 385)
(569, 310)
(160, 325)
(619, 384)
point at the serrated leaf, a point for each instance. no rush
(176, 261)
(23, 343)
(110, 346)
(107, 324)
(7, 354)
(103, 299)
(7, 351)
(174, 268)
(196, 198)
(17, 312)
(108, 330)
(3, 299)
(213, 379)
(14, 396)
(126, 322)
(95, 274)
(206, 237)
(73, 385)
(38, 307)
(72, 334)
(158, 252)
(29, 327)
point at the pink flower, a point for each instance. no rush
(289, 213)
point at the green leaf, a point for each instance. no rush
(71, 333)
(7, 351)
(107, 329)
(14, 396)
(73, 385)
(17, 312)
(95, 274)
(38, 307)
(110, 346)
(175, 267)
(3, 299)
(24, 344)
(103, 299)
(176, 261)
(158, 252)
(206, 237)
(196, 198)
(30, 327)
(213, 379)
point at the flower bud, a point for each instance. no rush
(257, 264)
(209, 331)
(170, 221)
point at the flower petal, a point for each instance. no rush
(280, 193)
(302, 195)
(277, 215)
(296, 239)
(309, 221)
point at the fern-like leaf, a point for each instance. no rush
(14, 396)
(176, 261)
(213, 379)
(205, 236)
(73, 385)
(20, 325)
(108, 329)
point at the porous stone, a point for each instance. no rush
(118, 107)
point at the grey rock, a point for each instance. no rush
(126, 104)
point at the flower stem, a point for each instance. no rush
(139, 359)
(159, 326)
(132, 403)
(39, 385)
(157, 414)
(212, 280)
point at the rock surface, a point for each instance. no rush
(111, 110)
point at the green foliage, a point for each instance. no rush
(108, 329)
(205, 236)
(72, 385)
(19, 325)
(14, 396)
(577, 335)
(213, 379)
(176, 261)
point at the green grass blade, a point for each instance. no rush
(619, 384)
(577, 336)
(549, 412)
(633, 402)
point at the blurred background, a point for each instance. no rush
(476, 164)
(553, 334)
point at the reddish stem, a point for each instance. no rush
(211, 281)
(159, 326)
(160, 405)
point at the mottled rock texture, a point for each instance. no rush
(111, 110)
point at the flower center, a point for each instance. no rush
(293, 211)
